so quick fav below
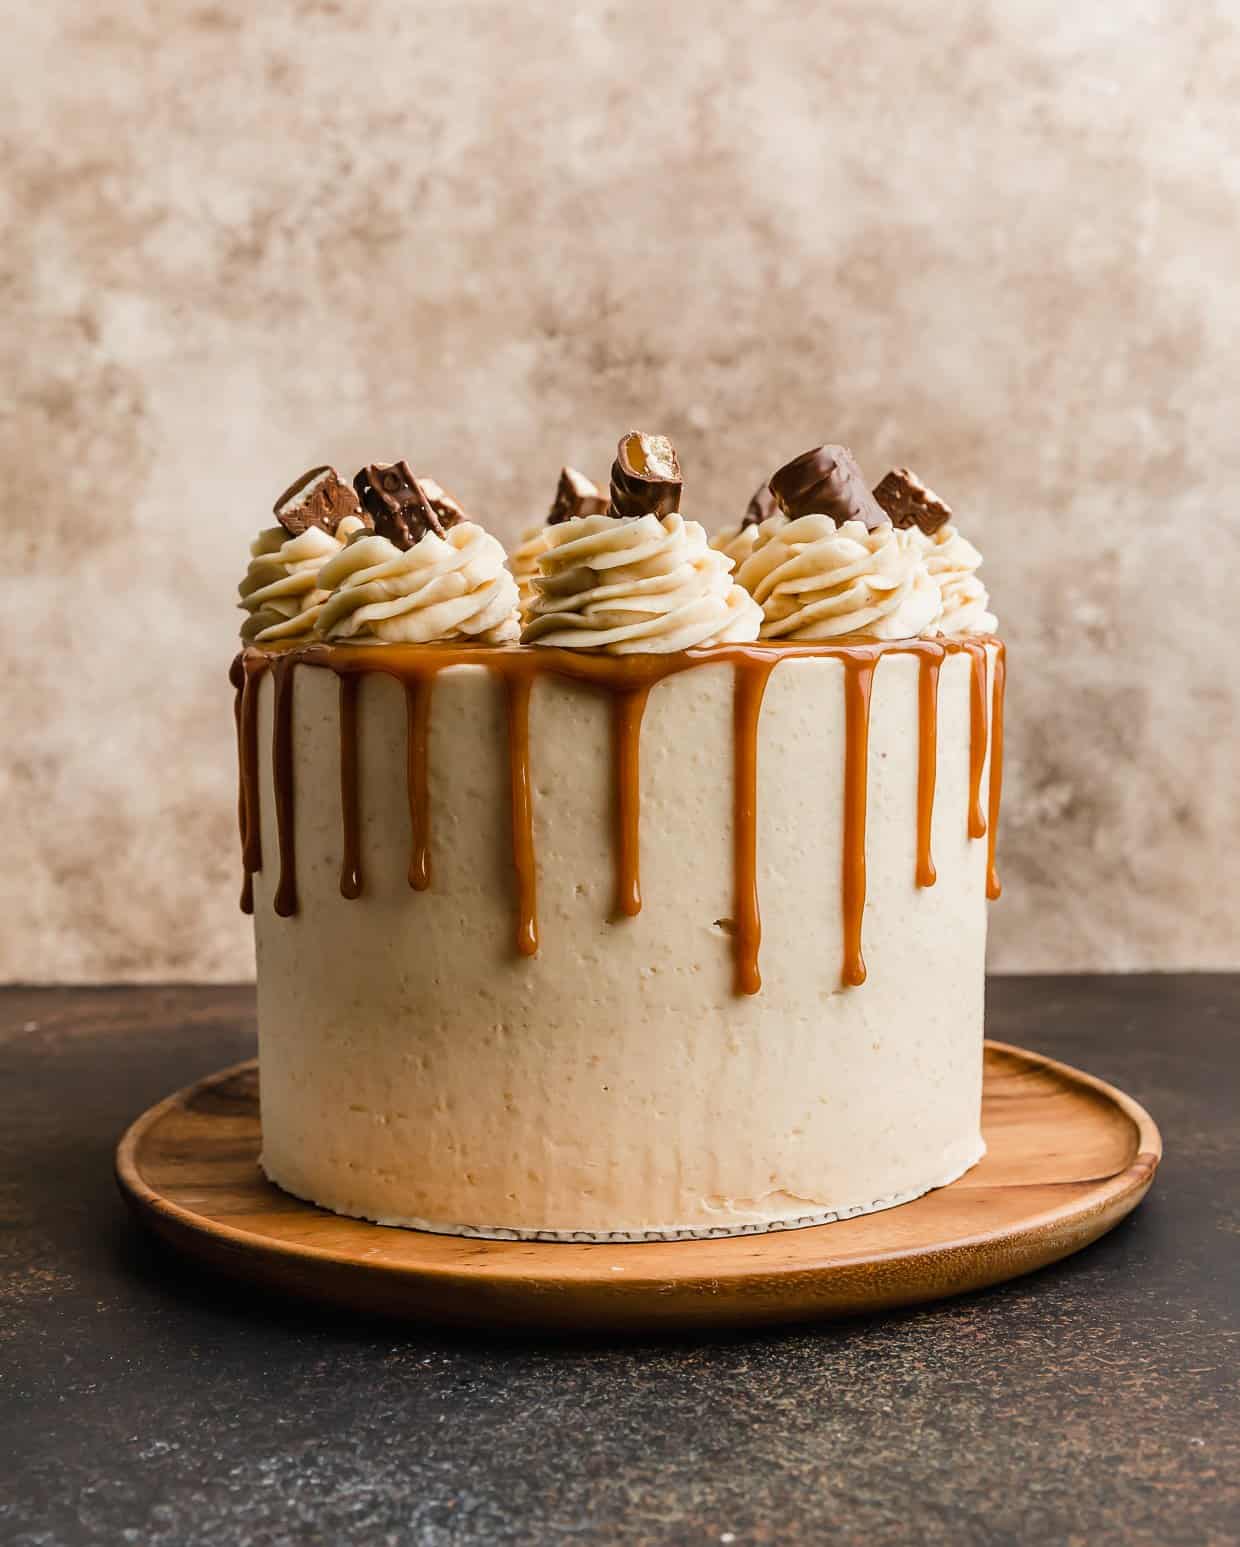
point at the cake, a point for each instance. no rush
(644, 902)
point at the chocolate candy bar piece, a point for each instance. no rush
(645, 477)
(910, 503)
(762, 505)
(393, 498)
(827, 481)
(575, 496)
(449, 510)
(318, 498)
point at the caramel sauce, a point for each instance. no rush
(750, 680)
(517, 686)
(977, 733)
(351, 858)
(251, 832)
(236, 676)
(927, 761)
(993, 889)
(282, 780)
(627, 681)
(858, 681)
(417, 779)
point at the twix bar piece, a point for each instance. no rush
(645, 477)
(317, 498)
(910, 503)
(397, 504)
(575, 495)
(827, 481)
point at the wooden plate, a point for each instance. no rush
(1068, 1157)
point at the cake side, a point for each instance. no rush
(416, 1068)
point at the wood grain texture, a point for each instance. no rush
(1068, 1157)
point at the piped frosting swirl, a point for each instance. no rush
(952, 562)
(575, 495)
(280, 591)
(816, 580)
(523, 562)
(636, 583)
(441, 588)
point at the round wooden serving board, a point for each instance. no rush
(1068, 1157)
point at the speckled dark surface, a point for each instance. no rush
(1095, 1403)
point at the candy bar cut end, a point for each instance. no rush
(909, 502)
(317, 498)
(575, 495)
(645, 477)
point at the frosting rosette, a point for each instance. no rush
(280, 591)
(523, 561)
(816, 580)
(441, 588)
(952, 563)
(632, 584)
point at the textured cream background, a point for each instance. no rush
(996, 241)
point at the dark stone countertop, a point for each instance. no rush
(1095, 1402)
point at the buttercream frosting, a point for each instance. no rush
(523, 561)
(952, 562)
(442, 588)
(738, 541)
(816, 580)
(280, 591)
(636, 583)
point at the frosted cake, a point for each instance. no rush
(642, 896)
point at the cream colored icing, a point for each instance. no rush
(636, 583)
(952, 562)
(523, 561)
(738, 541)
(443, 588)
(615, 1083)
(280, 592)
(814, 580)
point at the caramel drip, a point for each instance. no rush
(252, 840)
(749, 687)
(977, 734)
(627, 680)
(282, 780)
(517, 686)
(417, 780)
(927, 760)
(351, 852)
(236, 675)
(627, 708)
(993, 889)
(858, 680)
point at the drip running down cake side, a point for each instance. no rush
(644, 901)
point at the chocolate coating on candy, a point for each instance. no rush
(317, 498)
(645, 477)
(910, 503)
(827, 482)
(575, 496)
(760, 507)
(449, 510)
(395, 501)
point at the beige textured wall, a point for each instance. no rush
(997, 241)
